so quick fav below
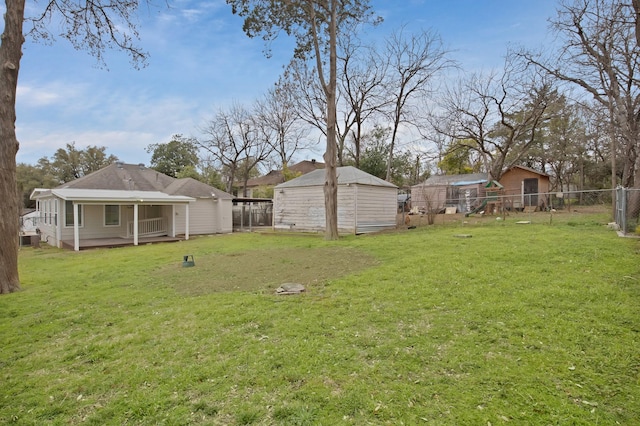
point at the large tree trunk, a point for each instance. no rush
(331, 179)
(330, 156)
(10, 54)
(633, 209)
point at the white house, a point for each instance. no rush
(130, 202)
(365, 203)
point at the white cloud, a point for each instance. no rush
(32, 96)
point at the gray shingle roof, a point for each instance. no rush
(119, 176)
(137, 177)
(194, 188)
(346, 175)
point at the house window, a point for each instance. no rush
(111, 215)
(68, 214)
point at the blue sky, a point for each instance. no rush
(200, 61)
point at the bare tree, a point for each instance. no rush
(600, 55)
(234, 141)
(636, 11)
(361, 72)
(89, 25)
(495, 115)
(361, 83)
(279, 123)
(414, 61)
(308, 94)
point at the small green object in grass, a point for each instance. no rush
(187, 261)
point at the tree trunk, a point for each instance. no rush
(331, 178)
(331, 182)
(10, 54)
(633, 209)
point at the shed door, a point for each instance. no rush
(530, 191)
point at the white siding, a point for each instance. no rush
(206, 216)
(225, 216)
(202, 217)
(93, 221)
(346, 209)
(361, 208)
(300, 208)
(377, 208)
(50, 214)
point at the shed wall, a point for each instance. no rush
(361, 208)
(302, 209)
(376, 208)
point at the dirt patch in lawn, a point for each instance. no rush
(265, 270)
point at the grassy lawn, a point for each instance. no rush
(520, 324)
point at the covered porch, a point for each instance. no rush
(91, 243)
(108, 218)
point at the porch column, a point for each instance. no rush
(173, 221)
(58, 223)
(135, 224)
(186, 223)
(76, 228)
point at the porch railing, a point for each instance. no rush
(149, 227)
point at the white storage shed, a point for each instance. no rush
(365, 203)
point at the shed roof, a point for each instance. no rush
(346, 175)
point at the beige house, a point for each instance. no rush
(365, 203)
(127, 204)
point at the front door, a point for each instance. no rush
(530, 192)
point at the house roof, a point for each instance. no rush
(465, 179)
(194, 188)
(120, 176)
(529, 169)
(119, 182)
(469, 178)
(25, 211)
(346, 175)
(275, 177)
(117, 196)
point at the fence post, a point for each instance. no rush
(621, 209)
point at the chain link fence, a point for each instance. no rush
(626, 210)
(540, 207)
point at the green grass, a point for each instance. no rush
(519, 324)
